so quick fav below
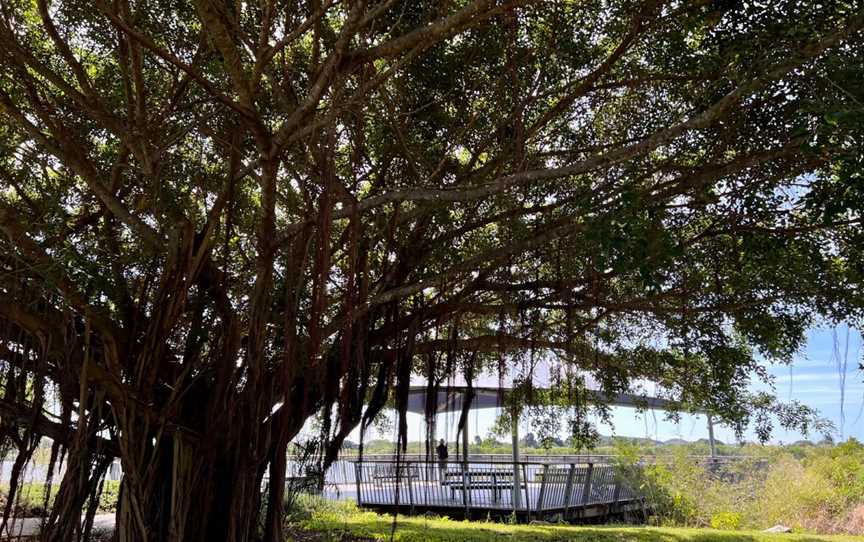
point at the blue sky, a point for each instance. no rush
(812, 379)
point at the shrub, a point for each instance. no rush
(305, 506)
(820, 492)
(31, 498)
(815, 489)
(110, 495)
(727, 521)
(843, 467)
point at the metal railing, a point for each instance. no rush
(340, 480)
(491, 458)
(549, 458)
(523, 487)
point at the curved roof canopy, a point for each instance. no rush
(451, 399)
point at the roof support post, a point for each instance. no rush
(586, 488)
(514, 435)
(465, 440)
(711, 442)
(568, 489)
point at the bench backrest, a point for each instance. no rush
(477, 475)
(390, 470)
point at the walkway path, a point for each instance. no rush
(28, 527)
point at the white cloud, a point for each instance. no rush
(829, 390)
(807, 377)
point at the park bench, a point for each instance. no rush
(388, 472)
(496, 480)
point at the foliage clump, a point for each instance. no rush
(811, 489)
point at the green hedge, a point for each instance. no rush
(31, 497)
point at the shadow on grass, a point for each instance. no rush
(370, 526)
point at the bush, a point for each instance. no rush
(816, 489)
(31, 498)
(110, 495)
(820, 492)
(726, 521)
(304, 507)
(843, 467)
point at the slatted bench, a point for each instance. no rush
(496, 480)
(388, 472)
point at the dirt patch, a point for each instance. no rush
(854, 521)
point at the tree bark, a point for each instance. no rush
(191, 494)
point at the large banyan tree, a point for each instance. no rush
(222, 218)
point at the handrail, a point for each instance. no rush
(541, 458)
(460, 461)
(342, 471)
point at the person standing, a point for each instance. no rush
(441, 451)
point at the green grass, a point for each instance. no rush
(333, 520)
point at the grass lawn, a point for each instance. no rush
(336, 521)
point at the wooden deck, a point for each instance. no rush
(526, 490)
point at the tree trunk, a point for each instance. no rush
(190, 494)
(80, 485)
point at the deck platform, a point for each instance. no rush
(480, 489)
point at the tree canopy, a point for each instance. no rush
(221, 218)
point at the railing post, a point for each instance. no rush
(544, 483)
(494, 486)
(357, 473)
(410, 488)
(586, 488)
(568, 489)
(465, 487)
(516, 496)
(527, 495)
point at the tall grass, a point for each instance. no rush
(817, 489)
